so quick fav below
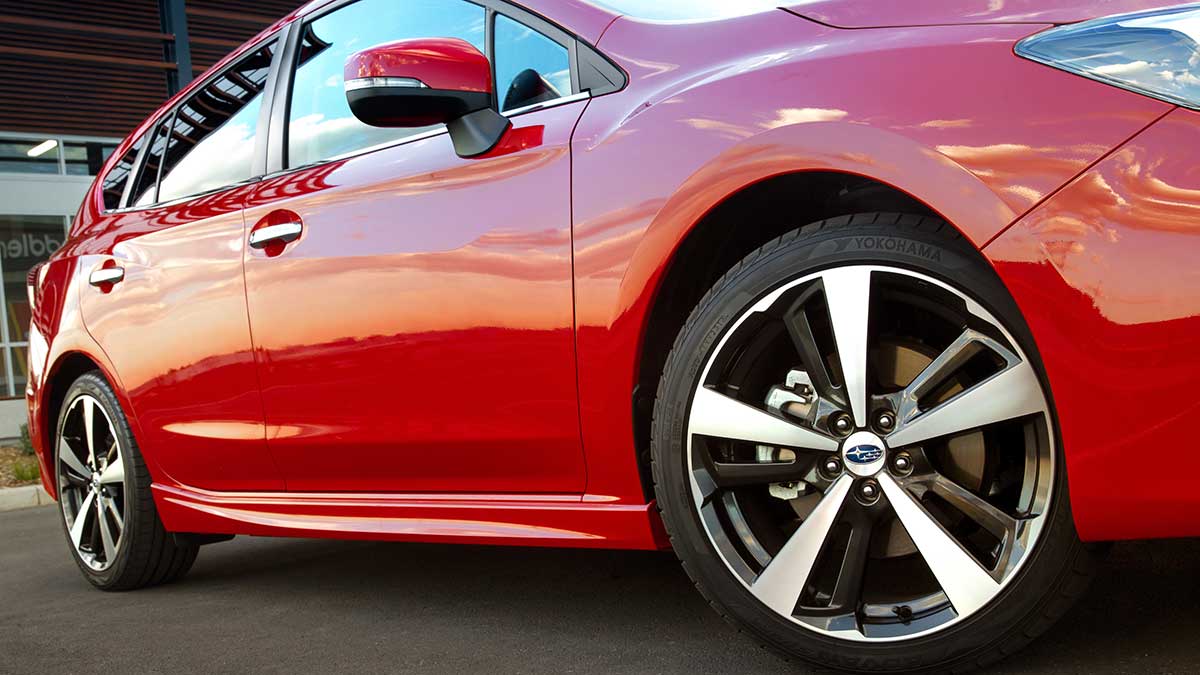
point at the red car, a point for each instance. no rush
(879, 315)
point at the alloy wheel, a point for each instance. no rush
(91, 479)
(870, 453)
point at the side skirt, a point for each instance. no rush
(517, 520)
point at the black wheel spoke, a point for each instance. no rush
(728, 474)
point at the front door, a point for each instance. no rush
(417, 336)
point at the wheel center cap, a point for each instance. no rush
(863, 453)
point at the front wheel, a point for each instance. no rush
(855, 456)
(112, 526)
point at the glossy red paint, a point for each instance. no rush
(532, 520)
(440, 63)
(440, 325)
(979, 156)
(176, 330)
(1107, 278)
(449, 350)
(852, 14)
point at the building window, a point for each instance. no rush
(29, 156)
(53, 155)
(24, 242)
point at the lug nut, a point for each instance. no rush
(885, 421)
(868, 491)
(902, 463)
(842, 423)
(832, 465)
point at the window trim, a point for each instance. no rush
(577, 50)
(258, 162)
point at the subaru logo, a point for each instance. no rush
(864, 454)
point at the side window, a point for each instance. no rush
(320, 124)
(147, 180)
(113, 185)
(211, 143)
(530, 67)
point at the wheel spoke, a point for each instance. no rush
(89, 431)
(848, 295)
(1011, 393)
(111, 505)
(848, 588)
(968, 585)
(82, 515)
(779, 585)
(113, 473)
(110, 549)
(990, 518)
(67, 456)
(730, 474)
(718, 415)
(800, 329)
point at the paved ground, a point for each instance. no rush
(318, 606)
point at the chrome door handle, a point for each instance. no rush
(272, 234)
(107, 275)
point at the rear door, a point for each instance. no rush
(174, 325)
(418, 335)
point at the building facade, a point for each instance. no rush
(75, 78)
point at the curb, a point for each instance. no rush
(24, 497)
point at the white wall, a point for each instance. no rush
(42, 195)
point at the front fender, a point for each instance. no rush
(697, 125)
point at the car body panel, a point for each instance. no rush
(517, 282)
(979, 158)
(176, 329)
(420, 330)
(1106, 274)
(857, 14)
(527, 520)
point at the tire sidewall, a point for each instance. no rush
(934, 250)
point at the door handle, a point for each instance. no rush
(275, 234)
(107, 275)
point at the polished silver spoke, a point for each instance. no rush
(96, 524)
(89, 414)
(966, 583)
(779, 585)
(106, 536)
(67, 456)
(848, 296)
(718, 415)
(82, 515)
(113, 473)
(1013, 392)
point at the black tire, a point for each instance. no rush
(1054, 575)
(146, 554)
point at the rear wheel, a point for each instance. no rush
(855, 456)
(112, 526)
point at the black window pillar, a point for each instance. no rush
(174, 21)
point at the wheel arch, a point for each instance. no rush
(718, 239)
(67, 368)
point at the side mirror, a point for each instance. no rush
(419, 82)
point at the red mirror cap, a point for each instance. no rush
(448, 64)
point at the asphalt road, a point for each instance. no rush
(278, 605)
